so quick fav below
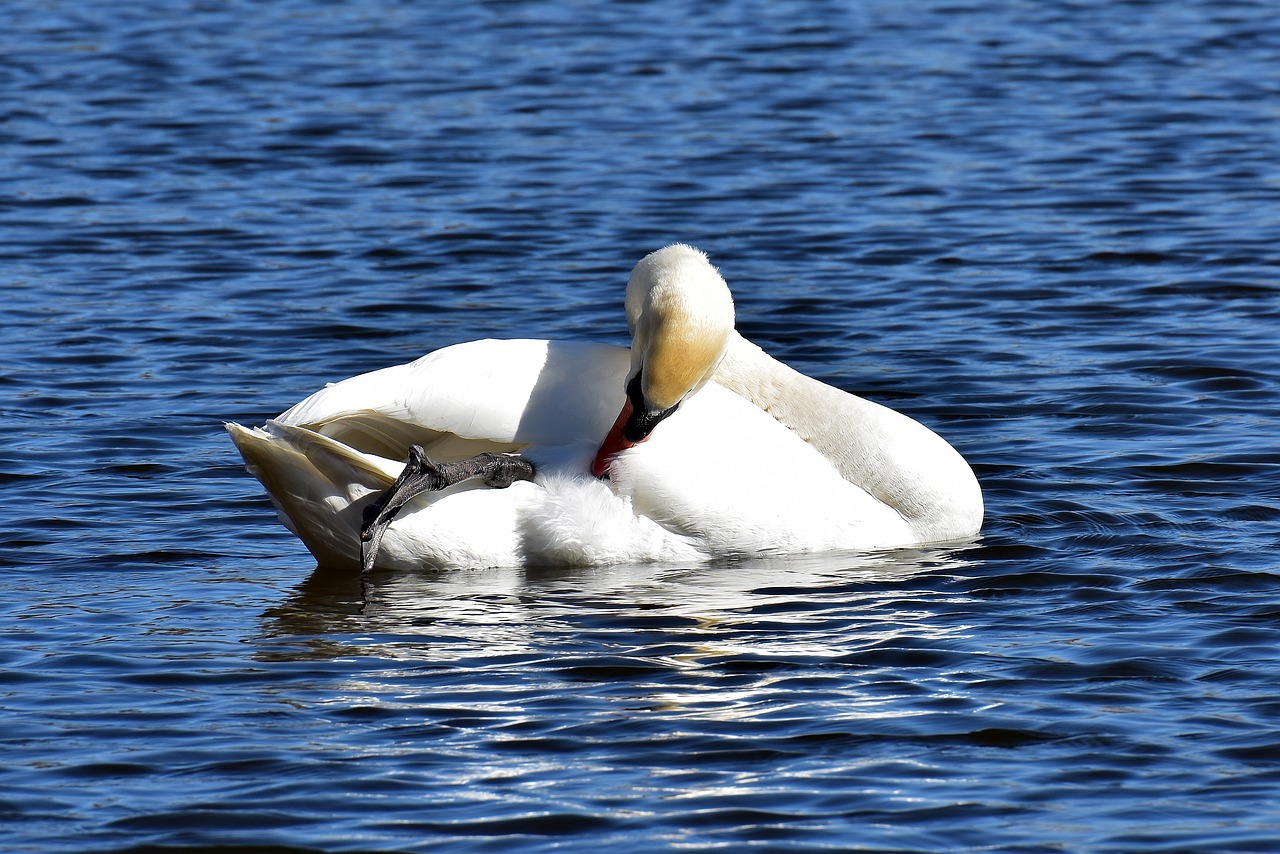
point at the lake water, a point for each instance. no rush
(1050, 231)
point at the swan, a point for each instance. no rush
(692, 445)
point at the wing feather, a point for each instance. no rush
(479, 396)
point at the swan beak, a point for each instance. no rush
(614, 443)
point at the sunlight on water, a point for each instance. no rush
(1047, 231)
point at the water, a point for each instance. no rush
(1051, 231)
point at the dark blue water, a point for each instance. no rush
(1051, 231)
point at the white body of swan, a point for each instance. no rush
(750, 457)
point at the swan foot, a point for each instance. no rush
(422, 475)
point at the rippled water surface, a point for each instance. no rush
(1051, 231)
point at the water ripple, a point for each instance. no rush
(1045, 230)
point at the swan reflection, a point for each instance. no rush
(811, 605)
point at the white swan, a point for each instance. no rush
(718, 450)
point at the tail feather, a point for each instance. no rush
(319, 486)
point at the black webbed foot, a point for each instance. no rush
(421, 475)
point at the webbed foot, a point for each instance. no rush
(421, 475)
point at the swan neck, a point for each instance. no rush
(897, 460)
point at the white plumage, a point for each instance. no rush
(779, 464)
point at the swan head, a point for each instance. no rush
(680, 314)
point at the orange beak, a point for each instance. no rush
(613, 444)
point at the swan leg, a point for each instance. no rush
(422, 475)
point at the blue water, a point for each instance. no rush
(1050, 230)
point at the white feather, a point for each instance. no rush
(779, 464)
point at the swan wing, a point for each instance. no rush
(490, 395)
(321, 486)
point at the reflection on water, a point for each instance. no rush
(472, 615)
(761, 640)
